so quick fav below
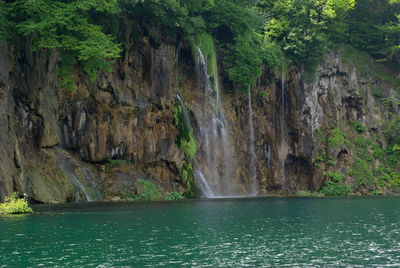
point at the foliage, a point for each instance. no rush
(373, 27)
(362, 172)
(309, 194)
(234, 24)
(185, 140)
(358, 126)
(300, 27)
(242, 62)
(4, 23)
(264, 94)
(187, 174)
(173, 196)
(117, 162)
(206, 44)
(66, 25)
(187, 144)
(173, 18)
(15, 205)
(336, 137)
(65, 71)
(362, 143)
(335, 185)
(365, 66)
(392, 132)
(149, 191)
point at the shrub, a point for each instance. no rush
(149, 191)
(358, 126)
(361, 142)
(174, 196)
(336, 137)
(362, 172)
(15, 205)
(335, 185)
(305, 193)
(117, 162)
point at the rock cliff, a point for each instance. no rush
(101, 139)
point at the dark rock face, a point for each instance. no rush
(57, 145)
(53, 137)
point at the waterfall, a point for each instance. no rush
(215, 164)
(81, 177)
(186, 119)
(283, 100)
(204, 76)
(252, 153)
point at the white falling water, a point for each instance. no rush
(252, 153)
(185, 113)
(76, 173)
(215, 164)
(283, 100)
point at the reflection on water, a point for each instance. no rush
(208, 233)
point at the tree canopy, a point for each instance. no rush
(252, 34)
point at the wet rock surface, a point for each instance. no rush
(59, 146)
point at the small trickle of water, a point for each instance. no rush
(204, 187)
(283, 100)
(267, 155)
(69, 165)
(204, 76)
(186, 118)
(252, 153)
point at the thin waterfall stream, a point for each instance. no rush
(283, 100)
(216, 163)
(252, 153)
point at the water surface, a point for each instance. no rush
(267, 232)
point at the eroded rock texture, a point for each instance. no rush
(98, 141)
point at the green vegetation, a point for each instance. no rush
(206, 44)
(174, 196)
(251, 35)
(15, 205)
(117, 163)
(68, 27)
(358, 126)
(373, 169)
(336, 137)
(309, 194)
(362, 172)
(185, 140)
(362, 60)
(248, 38)
(187, 144)
(334, 185)
(147, 191)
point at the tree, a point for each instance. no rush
(3, 21)
(66, 25)
(372, 27)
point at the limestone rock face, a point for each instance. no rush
(51, 137)
(292, 123)
(98, 141)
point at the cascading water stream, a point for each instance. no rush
(80, 176)
(215, 165)
(202, 182)
(186, 119)
(283, 100)
(252, 153)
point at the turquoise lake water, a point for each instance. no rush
(264, 232)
